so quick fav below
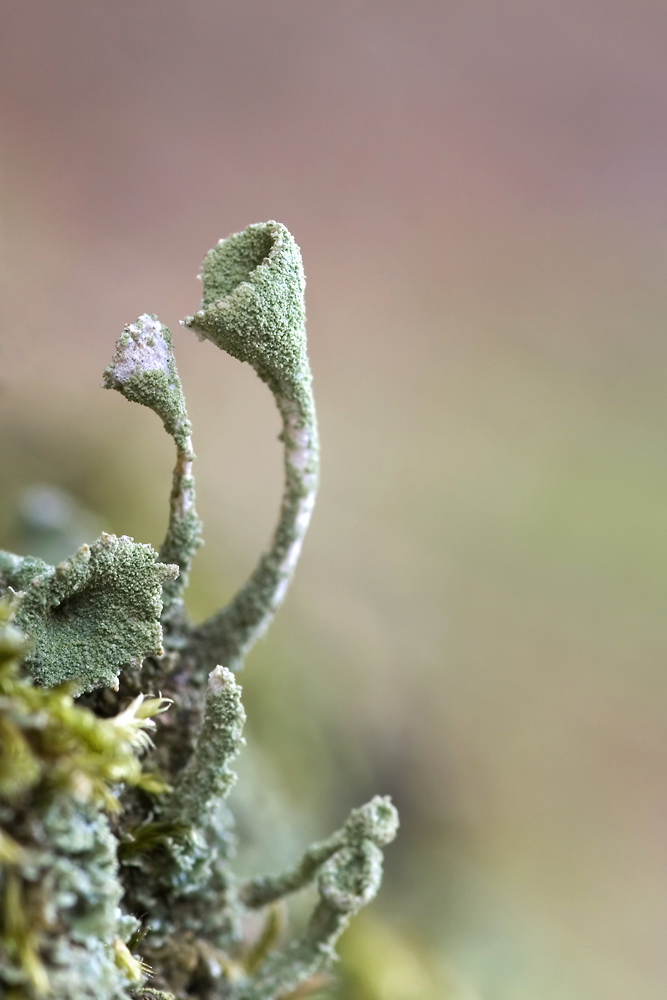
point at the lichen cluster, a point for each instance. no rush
(117, 879)
(63, 930)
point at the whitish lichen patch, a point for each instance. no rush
(142, 348)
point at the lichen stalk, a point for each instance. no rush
(376, 822)
(184, 529)
(253, 308)
(347, 869)
(144, 370)
(207, 778)
(231, 633)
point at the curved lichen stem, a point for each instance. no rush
(376, 821)
(253, 308)
(183, 531)
(347, 869)
(230, 634)
(144, 370)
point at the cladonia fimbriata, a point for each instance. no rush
(117, 874)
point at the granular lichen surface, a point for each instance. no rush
(120, 719)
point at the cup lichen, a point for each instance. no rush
(116, 881)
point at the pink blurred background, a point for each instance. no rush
(477, 625)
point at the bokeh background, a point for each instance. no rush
(477, 624)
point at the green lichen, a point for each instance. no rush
(92, 614)
(253, 305)
(62, 928)
(253, 308)
(151, 994)
(347, 869)
(144, 370)
(207, 779)
(95, 896)
(183, 853)
(376, 822)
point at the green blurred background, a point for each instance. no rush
(477, 624)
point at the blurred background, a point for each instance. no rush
(477, 624)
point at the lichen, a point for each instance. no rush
(253, 305)
(144, 370)
(253, 308)
(92, 614)
(62, 926)
(110, 872)
(207, 778)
